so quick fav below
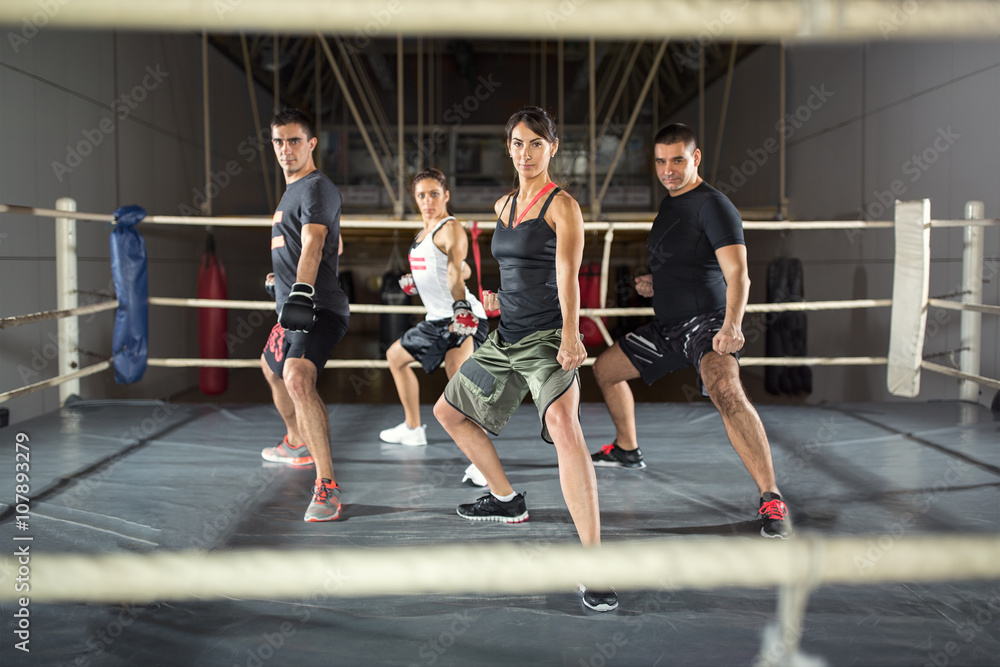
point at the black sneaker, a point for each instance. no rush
(488, 508)
(599, 600)
(613, 456)
(774, 518)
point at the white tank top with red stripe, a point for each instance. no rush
(429, 266)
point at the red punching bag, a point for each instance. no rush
(212, 321)
(590, 297)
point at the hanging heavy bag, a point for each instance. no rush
(212, 322)
(590, 297)
(773, 340)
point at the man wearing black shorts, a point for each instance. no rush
(699, 285)
(312, 308)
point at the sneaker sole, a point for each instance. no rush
(300, 462)
(600, 607)
(520, 518)
(405, 444)
(617, 464)
(468, 482)
(774, 536)
(318, 519)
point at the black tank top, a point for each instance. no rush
(529, 296)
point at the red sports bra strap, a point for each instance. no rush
(534, 201)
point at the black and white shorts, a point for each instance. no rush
(658, 348)
(430, 340)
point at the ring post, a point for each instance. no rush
(910, 283)
(67, 297)
(972, 292)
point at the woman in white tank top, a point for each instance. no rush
(456, 323)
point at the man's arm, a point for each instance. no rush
(313, 240)
(733, 261)
(568, 222)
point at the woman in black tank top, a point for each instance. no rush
(538, 244)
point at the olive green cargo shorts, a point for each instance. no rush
(495, 379)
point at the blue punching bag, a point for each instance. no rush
(130, 340)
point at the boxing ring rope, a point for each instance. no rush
(912, 367)
(657, 563)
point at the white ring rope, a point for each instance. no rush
(955, 373)
(702, 563)
(595, 314)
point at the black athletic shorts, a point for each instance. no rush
(430, 340)
(658, 348)
(315, 345)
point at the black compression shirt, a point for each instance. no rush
(313, 199)
(687, 278)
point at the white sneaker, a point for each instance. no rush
(404, 435)
(473, 477)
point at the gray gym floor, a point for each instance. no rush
(143, 476)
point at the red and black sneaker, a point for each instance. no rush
(325, 504)
(283, 452)
(613, 456)
(774, 518)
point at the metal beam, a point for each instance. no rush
(363, 94)
(623, 82)
(252, 91)
(608, 19)
(631, 121)
(357, 118)
(724, 112)
(595, 204)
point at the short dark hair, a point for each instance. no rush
(538, 121)
(429, 172)
(289, 116)
(676, 133)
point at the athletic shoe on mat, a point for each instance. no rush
(599, 600)
(283, 452)
(473, 477)
(774, 518)
(325, 505)
(613, 456)
(489, 508)
(404, 435)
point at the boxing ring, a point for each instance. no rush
(153, 533)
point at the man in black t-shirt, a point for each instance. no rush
(699, 285)
(312, 308)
